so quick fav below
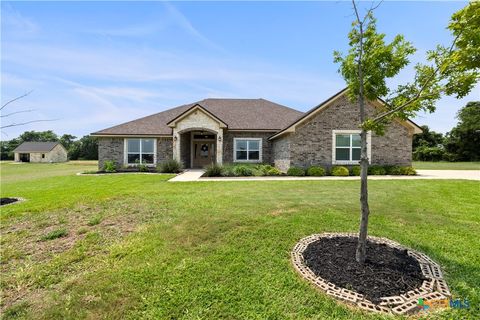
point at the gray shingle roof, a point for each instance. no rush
(247, 114)
(36, 147)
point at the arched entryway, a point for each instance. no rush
(198, 147)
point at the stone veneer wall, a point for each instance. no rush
(228, 144)
(281, 153)
(311, 143)
(113, 149)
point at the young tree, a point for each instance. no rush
(370, 62)
(463, 141)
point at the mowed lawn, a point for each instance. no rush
(444, 165)
(137, 246)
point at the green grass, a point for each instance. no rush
(210, 250)
(58, 233)
(443, 165)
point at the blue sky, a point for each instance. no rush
(96, 64)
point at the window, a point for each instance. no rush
(346, 146)
(140, 151)
(247, 149)
(43, 155)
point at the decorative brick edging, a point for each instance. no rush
(19, 200)
(435, 287)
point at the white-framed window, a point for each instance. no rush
(140, 151)
(346, 146)
(247, 150)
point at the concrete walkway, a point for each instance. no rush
(188, 175)
(194, 175)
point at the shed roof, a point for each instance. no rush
(31, 146)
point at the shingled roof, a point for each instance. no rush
(31, 146)
(237, 114)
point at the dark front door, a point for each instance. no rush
(25, 157)
(203, 153)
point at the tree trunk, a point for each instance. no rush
(362, 237)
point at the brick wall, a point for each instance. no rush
(267, 145)
(311, 143)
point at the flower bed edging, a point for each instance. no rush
(435, 287)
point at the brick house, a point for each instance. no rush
(254, 131)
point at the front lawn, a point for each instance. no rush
(137, 246)
(443, 165)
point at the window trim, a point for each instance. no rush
(125, 151)
(350, 162)
(260, 155)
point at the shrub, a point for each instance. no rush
(394, 170)
(268, 170)
(315, 171)
(213, 170)
(425, 153)
(273, 172)
(340, 171)
(109, 166)
(170, 166)
(142, 168)
(227, 171)
(296, 171)
(243, 171)
(355, 171)
(408, 171)
(377, 170)
(55, 234)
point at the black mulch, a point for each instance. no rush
(4, 201)
(387, 271)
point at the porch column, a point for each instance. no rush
(176, 145)
(220, 146)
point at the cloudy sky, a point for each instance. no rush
(92, 65)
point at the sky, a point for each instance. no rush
(92, 65)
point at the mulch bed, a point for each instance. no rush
(387, 271)
(133, 170)
(5, 201)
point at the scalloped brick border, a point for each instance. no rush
(435, 287)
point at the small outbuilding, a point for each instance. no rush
(40, 152)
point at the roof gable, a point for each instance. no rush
(195, 108)
(329, 102)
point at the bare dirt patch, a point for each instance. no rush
(25, 250)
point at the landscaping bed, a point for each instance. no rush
(387, 271)
(259, 170)
(5, 201)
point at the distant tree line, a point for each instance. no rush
(85, 148)
(462, 143)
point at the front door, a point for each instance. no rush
(203, 153)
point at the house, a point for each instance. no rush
(256, 130)
(40, 152)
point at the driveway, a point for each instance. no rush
(195, 175)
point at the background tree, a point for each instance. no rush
(428, 145)
(67, 140)
(463, 141)
(427, 138)
(370, 61)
